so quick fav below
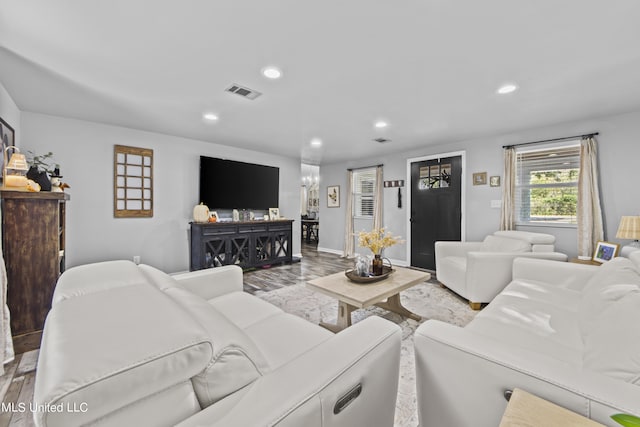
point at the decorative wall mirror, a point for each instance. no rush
(132, 182)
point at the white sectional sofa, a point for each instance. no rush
(478, 271)
(127, 345)
(567, 332)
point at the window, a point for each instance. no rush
(364, 183)
(547, 185)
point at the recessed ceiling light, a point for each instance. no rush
(316, 142)
(507, 88)
(210, 116)
(381, 124)
(272, 72)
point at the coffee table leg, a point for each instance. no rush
(344, 318)
(393, 304)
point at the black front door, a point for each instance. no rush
(436, 207)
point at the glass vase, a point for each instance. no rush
(376, 265)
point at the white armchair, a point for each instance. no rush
(478, 271)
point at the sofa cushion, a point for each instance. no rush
(613, 346)
(610, 283)
(504, 244)
(531, 324)
(284, 337)
(236, 360)
(618, 270)
(243, 309)
(280, 337)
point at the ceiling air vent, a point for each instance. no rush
(382, 140)
(244, 92)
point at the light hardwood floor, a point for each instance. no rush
(17, 383)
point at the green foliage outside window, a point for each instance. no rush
(549, 199)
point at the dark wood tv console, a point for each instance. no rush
(247, 244)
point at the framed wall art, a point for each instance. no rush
(333, 196)
(494, 181)
(480, 178)
(8, 138)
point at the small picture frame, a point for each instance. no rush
(605, 251)
(494, 181)
(274, 213)
(333, 196)
(480, 178)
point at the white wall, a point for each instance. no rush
(619, 153)
(85, 152)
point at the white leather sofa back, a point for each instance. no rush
(129, 345)
(142, 357)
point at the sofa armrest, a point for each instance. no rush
(461, 376)
(305, 391)
(212, 282)
(488, 273)
(562, 274)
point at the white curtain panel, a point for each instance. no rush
(589, 212)
(378, 202)
(6, 342)
(349, 246)
(507, 214)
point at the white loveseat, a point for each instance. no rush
(567, 332)
(477, 271)
(127, 345)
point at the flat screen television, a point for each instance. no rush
(228, 184)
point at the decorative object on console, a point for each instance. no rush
(56, 181)
(14, 172)
(333, 196)
(377, 240)
(605, 251)
(201, 213)
(480, 178)
(41, 169)
(213, 216)
(274, 213)
(235, 215)
(629, 228)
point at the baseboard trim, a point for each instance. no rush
(331, 251)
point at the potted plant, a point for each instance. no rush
(626, 420)
(41, 168)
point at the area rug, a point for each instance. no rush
(428, 300)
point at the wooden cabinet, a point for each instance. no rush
(247, 244)
(33, 245)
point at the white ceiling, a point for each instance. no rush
(430, 68)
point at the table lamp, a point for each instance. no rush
(14, 173)
(629, 229)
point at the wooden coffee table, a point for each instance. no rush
(352, 296)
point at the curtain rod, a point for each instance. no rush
(586, 135)
(365, 167)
